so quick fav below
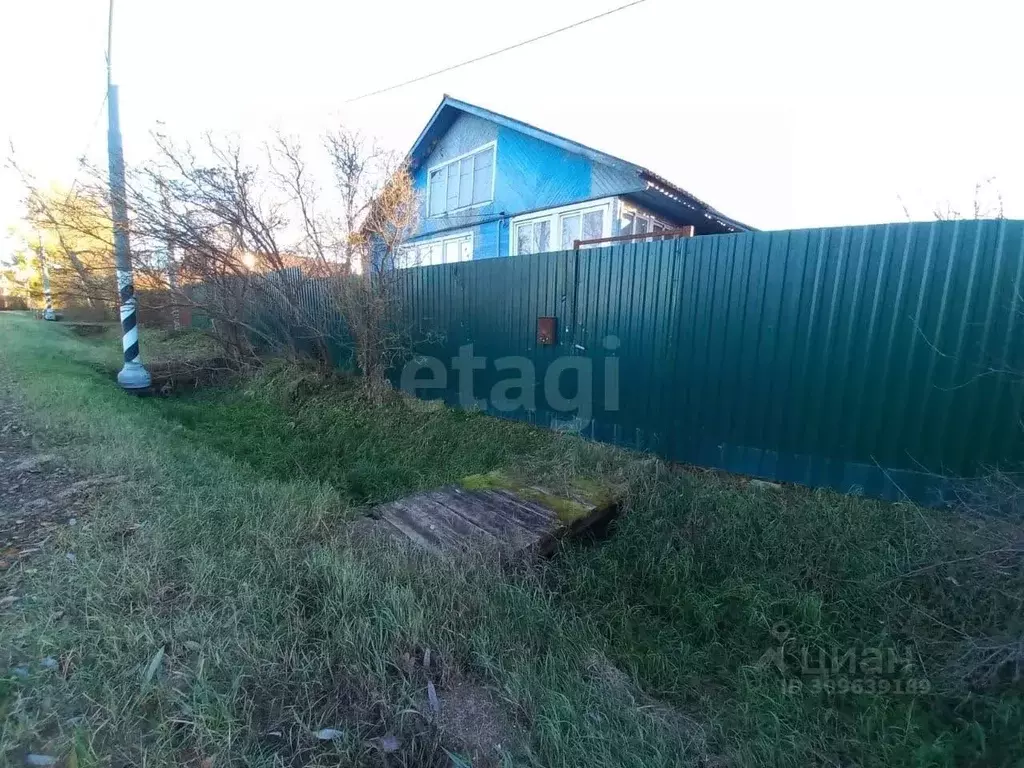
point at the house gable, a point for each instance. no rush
(530, 174)
(531, 170)
(535, 174)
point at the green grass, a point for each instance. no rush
(294, 426)
(103, 351)
(228, 546)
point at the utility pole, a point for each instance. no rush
(133, 375)
(45, 269)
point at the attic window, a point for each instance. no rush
(464, 182)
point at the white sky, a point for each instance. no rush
(781, 114)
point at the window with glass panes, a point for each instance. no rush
(461, 183)
(560, 228)
(533, 236)
(632, 222)
(442, 250)
(581, 225)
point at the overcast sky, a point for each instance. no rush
(780, 114)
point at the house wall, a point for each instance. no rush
(530, 175)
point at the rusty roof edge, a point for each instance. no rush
(710, 211)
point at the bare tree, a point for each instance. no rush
(981, 206)
(276, 260)
(355, 164)
(372, 304)
(74, 229)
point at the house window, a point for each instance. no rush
(585, 225)
(441, 250)
(626, 223)
(632, 222)
(461, 183)
(533, 236)
(561, 227)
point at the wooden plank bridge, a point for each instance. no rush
(493, 512)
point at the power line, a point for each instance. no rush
(88, 145)
(91, 136)
(495, 53)
(79, 159)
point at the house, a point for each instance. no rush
(492, 186)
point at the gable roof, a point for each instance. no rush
(450, 108)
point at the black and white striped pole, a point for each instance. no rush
(47, 296)
(133, 375)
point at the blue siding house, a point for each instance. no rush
(492, 186)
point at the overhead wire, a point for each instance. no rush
(88, 145)
(506, 49)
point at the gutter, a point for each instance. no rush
(666, 187)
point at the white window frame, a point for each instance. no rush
(637, 214)
(442, 240)
(531, 222)
(491, 145)
(554, 215)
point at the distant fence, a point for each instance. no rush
(154, 309)
(876, 359)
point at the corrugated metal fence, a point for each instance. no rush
(866, 359)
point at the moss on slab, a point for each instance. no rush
(585, 497)
(491, 481)
(595, 492)
(568, 511)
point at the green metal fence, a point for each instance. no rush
(874, 359)
(881, 360)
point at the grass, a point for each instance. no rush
(102, 350)
(219, 597)
(294, 426)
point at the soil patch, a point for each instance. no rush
(474, 718)
(40, 497)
